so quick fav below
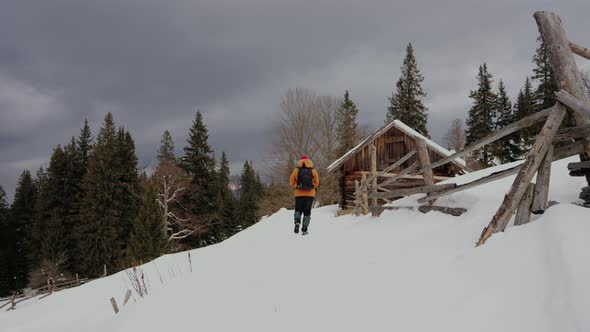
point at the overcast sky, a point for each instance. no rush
(153, 63)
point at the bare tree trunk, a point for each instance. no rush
(564, 66)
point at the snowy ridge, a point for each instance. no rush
(405, 271)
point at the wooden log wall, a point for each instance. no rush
(392, 146)
(389, 148)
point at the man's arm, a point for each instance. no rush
(293, 179)
(316, 179)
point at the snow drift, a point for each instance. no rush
(404, 271)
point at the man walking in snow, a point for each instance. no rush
(305, 180)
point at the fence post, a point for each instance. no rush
(425, 164)
(105, 270)
(365, 198)
(374, 172)
(13, 304)
(190, 262)
(127, 296)
(357, 197)
(77, 279)
(114, 304)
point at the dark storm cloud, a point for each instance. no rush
(153, 63)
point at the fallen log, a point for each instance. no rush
(443, 209)
(377, 210)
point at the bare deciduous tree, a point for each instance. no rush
(455, 136)
(173, 182)
(306, 126)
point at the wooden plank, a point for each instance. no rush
(391, 175)
(523, 213)
(541, 191)
(399, 175)
(128, 296)
(580, 165)
(394, 139)
(359, 147)
(580, 50)
(511, 128)
(573, 103)
(413, 191)
(397, 163)
(525, 174)
(357, 198)
(365, 195)
(562, 151)
(425, 163)
(490, 178)
(114, 304)
(571, 133)
(374, 171)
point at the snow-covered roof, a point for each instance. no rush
(405, 129)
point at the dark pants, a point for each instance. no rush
(303, 206)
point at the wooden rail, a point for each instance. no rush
(580, 50)
(511, 128)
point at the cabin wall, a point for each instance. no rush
(391, 146)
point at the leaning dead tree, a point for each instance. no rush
(524, 197)
(574, 95)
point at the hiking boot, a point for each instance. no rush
(296, 230)
(304, 230)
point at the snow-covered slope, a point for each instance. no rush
(404, 271)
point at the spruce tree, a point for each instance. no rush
(21, 221)
(406, 102)
(40, 217)
(109, 203)
(56, 203)
(78, 153)
(544, 94)
(482, 115)
(74, 174)
(166, 150)
(346, 126)
(84, 144)
(199, 162)
(525, 106)
(128, 184)
(7, 242)
(508, 148)
(148, 236)
(226, 198)
(249, 197)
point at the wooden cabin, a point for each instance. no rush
(393, 142)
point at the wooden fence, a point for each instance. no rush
(551, 144)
